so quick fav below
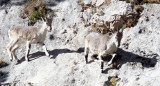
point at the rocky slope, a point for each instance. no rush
(137, 62)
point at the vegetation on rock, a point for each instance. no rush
(140, 2)
(35, 10)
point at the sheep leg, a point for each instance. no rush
(86, 54)
(108, 52)
(102, 65)
(111, 50)
(110, 62)
(13, 52)
(28, 46)
(100, 57)
(45, 49)
(9, 48)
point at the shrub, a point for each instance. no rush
(113, 81)
(37, 14)
(35, 10)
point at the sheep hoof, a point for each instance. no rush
(87, 62)
(27, 60)
(49, 56)
(102, 71)
(17, 61)
(11, 59)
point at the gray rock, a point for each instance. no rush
(139, 49)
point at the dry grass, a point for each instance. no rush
(140, 2)
(125, 21)
(132, 18)
(138, 8)
(151, 1)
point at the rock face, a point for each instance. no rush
(137, 62)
